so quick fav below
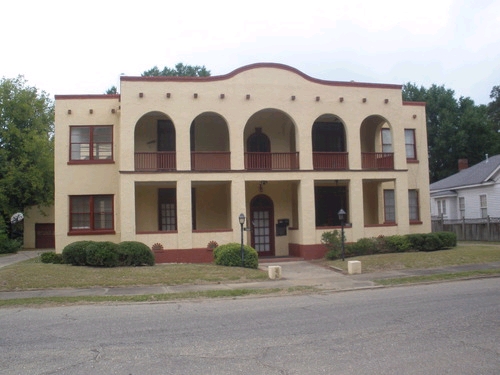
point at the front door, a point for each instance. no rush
(262, 215)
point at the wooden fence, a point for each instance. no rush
(487, 229)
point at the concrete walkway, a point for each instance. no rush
(294, 274)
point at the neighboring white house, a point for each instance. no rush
(472, 193)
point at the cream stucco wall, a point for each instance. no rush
(281, 100)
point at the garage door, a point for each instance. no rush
(44, 236)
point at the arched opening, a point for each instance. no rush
(154, 143)
(376, 144)
(329, 144)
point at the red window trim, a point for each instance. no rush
(91, 146)
(91, 230)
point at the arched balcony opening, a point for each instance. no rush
(209, 143)
(329, 144)
(154, 143)
(376, 144)
(270, 142)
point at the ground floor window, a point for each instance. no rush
(328, 202)
(389, 206)
(167, 209)
(91, 213)
(441, 204)
(483, 205)
(413, 205)
(461, 206)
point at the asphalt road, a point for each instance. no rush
(447, 328)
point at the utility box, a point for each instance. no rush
(353, 267)
(274, 272)
(281, 227)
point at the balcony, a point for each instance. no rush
(210, 161)
(155, 161)
(377, 160)
(331, 161)
(255, 161)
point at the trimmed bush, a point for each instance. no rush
(133, 253)
(102, 254)
(397, 244)
(9, 246)
(417, 241)
(51, 257)
(448, 239)
(363, 246)
(230, 255)
(432, 242)
(75, 253)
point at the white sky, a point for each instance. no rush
(82, 47)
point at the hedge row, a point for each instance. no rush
(388, 244)
(107, 254)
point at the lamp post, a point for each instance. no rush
(241, 219)
(342, 214)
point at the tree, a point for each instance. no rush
(456, 129)
(494, 107)
(26, 147)
(180, 70)
(112, 90)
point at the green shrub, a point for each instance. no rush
(397, 244)
(75, 253)
(51, 257)
(432, 242)
(363, 246)
(133, 253)
(417, 241)
(230, 255)
(9, 246)
(333, 242)
(102, 254)
(448, 239)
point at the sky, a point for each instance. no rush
(82, 47)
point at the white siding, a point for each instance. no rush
(472, 206)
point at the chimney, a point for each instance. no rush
(463, 164)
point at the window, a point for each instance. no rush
(91, 143)
(91, 213)
(389, 206)
(413, 205)
(386, 140)
(167, 211)
(411, 150)
(441, 207)
(483, 206)
(461, 206)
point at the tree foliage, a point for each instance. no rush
(180, 70)
(26, 147)
(456, 129)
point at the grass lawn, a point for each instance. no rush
(464, 253)
(33, 274)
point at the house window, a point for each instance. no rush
(91, 143)
(461, 206)
(410, 145)
(483, 206)
(389, 206)
(167, 210)
(91, 213)
(441, 207)
(413, 205)
(386, 140)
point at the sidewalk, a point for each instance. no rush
(294, 274)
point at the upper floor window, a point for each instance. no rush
(413, 205)
(410, 144)
(91, 213)
(483, 203)
(91, 144)
(386, 140)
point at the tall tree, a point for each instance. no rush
(26, 147)
(456, 129)
(494, 107)
(180, 70)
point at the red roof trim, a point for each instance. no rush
(257, 66)
(102, 96)
(415, 103)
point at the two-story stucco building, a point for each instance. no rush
(173, 162)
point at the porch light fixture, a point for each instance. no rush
(414, 116)
(113, 110)
(241, 219)
(342, 215)
(69, 111)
